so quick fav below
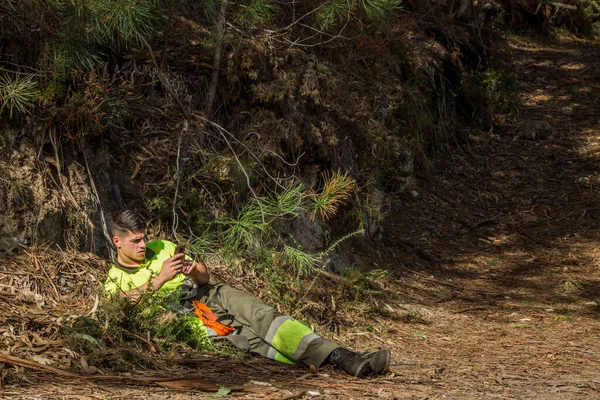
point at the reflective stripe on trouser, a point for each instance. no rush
(270, 333)
(289, 339)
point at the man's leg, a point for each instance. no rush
(270, 333)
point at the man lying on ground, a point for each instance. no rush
(154, 266)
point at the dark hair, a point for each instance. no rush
(127, 221)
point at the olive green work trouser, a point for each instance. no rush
(270, 333)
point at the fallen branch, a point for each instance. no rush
(103, 223)
(464, 310)
(163, 81)
(190, 382)
(8, 359)
(223, 131)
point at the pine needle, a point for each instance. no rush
(18, 93)
(337, 188)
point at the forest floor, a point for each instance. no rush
(496, 266)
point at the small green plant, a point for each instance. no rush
(379, 9)
(337, 187)
(257, 215)
(88, 27)
(244, 231)
(492, 92)
(287, 203)
(116, 22)
(302, 263)
(256, 12)
(518, 325)
(355, 283)
(565, 318)
(17, 93)
(414, 317)
(69, 53)
(204, 245)
(333, 12)
(20, 194)
(158, 206)
(421, 335)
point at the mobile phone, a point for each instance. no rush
(180, 249)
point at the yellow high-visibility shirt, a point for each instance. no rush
(157, 252)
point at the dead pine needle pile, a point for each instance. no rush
(41, 292)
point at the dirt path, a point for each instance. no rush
(496, 266)
(516, 220)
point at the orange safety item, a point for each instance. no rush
(210, 320)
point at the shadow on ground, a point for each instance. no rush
(515, 216)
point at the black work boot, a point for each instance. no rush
(360, 365)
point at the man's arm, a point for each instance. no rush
(170, 268)
(153, 284)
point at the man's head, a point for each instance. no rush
(129, 236)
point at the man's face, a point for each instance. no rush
(131, 246)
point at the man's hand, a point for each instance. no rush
(171, 267)
(189, 268)
(197, 272)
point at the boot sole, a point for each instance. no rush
(363, 369)
(382, 360)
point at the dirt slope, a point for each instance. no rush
(496, 266)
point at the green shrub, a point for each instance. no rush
(490, 93)
(356, 284)
(120, 329)
(591, 11)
